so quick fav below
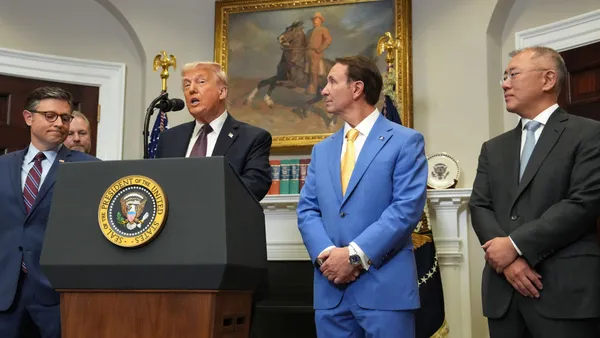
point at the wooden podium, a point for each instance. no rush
(200, 314)
(194, 277)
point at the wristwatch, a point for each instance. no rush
(354, 257)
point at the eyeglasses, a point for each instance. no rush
(52, 116)
(510, 75)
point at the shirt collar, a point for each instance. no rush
(216, 124)
(50, 154)
(365, 126)
(542, 117)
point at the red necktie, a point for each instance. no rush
(32, 183)
(199, 149)
(32, 187)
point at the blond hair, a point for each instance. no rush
(215, 67)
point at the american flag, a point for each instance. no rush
(160, 125)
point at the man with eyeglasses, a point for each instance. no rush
(534, 205)
(28, 303)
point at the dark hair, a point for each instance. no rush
(361, 68)
(43, 93)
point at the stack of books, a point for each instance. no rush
(288, 176)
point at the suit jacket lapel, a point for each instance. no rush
(511, 158)
(378, 137)
(14, 175)
(182, 142)
(63, 155)
(228, 134)
(544, 145)
(335, 166)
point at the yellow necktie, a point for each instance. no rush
(349, 159)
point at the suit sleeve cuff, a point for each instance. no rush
(364, 260)
(516, 247)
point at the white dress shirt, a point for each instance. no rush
(28, 163)
(542, 118)
(364, 128)
(211, 138)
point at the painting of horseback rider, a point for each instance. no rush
(278, 61)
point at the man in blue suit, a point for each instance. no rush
(364, 194)
(28, 303)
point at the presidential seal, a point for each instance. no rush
(132, 211)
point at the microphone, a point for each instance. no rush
(167, 105)
(163, 103)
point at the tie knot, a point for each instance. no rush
(352, 134)
(532, 125)
(40, 156)
(207, 129)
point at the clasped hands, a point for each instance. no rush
(336, 266)
(503, 257)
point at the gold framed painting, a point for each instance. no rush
(277, 54)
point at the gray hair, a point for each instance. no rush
(545, 52)
(43, 93)
(77, 113)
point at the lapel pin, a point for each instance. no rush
(230, 135)
(61, 161)
(381, 138)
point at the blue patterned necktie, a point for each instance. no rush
(531, 127)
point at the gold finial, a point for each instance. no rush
(164, 61)
(389, 45)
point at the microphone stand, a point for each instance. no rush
(163, 96)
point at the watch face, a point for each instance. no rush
(354, 259)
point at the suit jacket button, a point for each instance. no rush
(514, 217)
(342, 214)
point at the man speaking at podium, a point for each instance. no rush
(215, 132)
(27, 300)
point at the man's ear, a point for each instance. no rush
(223, 93)
(550, 80)
(358, 88)
(28, 117)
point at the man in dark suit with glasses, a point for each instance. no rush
(28, 303)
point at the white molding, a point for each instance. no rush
(284, 241)
(108, 76)
(273, 202)
(286, 251)
(563, 35)
(450, 226)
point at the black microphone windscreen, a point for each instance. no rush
(177, 104)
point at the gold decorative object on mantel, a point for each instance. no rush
(164, 61)
(249, 52)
